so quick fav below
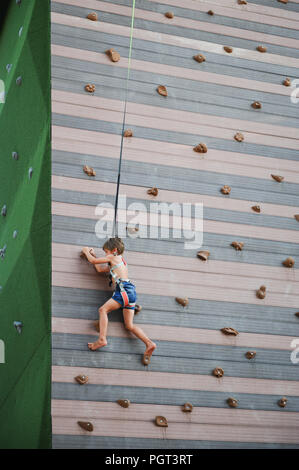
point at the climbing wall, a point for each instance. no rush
(25, 225)
(233, 98)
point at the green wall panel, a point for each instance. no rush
(25, 276)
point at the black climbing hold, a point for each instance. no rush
(30, 172)
(2, 252)
(4, 210)
(19, 81)
(18, 2)
(8, 67)
(18, 326)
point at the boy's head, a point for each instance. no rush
(114, 244)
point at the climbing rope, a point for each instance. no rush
(114, 229)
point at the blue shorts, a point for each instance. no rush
(131, 293)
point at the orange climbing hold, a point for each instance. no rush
(124, 403)
(86, 425)
(218, 372)
(93, 16)
(128, 133)
(138, 309)
(239, 137)
(225, 189)
(261, 293)
(282, 402)
(81, 379)
(169, 14)
(199, 58)
(162, 90)
(287, 82)
(229, 331)
(200, 148)
(114, 56)
(261, 48)
(238, 245)
(228, 49)
(278, 178)
(161, 421)
(289, 262)
(256, 208)
(203, 255)
(210, 12)
(256, 105)
(232, 402)
(90, 88)
(182, 301)
(250, 354)
(153, 191)
(187, 407)
(89, 170)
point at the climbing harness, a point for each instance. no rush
(114, 229)
(119, 281)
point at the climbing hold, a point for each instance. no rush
(261, 48)
(86, 425)
(81, 379)
(90, 88)
(256, 208)
(277, 178)
(19, 81)
(218, 372)
(238, 245)
(20, 31)
(162, 90)
(15, 233)
(96, 325)
(297, 314)
(289, 262)
(232, 402)
(153, 191)
(93, 16)
(30, 172)
(8, 67)
(2, 251)
(114, 56)
(242, 2)
(256, 105)
(187, 407)
(169, 14)
(200, 148)
(287, 82)
(89, 170)
(239, 137)
(184, 302)
(132, 229)
(18, 2)
(228, 49)
(297, 217)
(261, 293)
(124, 403)
(138, 309)
(226, 189)
(146, 359)
(18, 326)
(203, 255)
(161, 421)
(282, 402)
(15, 155)
(229, 331)
(283, 1)
(199, 58)
(4, 210)
(250, 354)
(128, 133)
(210, 12)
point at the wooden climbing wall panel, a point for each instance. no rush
(207, 102)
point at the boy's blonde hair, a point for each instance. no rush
(113, 243)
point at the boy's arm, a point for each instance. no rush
(94, 260)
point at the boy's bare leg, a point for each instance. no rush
(109, 306)
(128, 318)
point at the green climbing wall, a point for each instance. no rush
(25, 237)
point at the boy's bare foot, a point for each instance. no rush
(148, 353)
(97, 345)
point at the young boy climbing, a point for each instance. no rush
(124, 295)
